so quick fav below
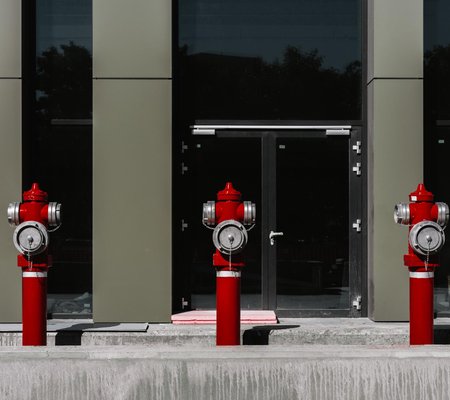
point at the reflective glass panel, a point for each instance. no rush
(437, 173)
(312, 213)
(61, 145)
(437, 60)
(265, 59)
(437, 127)
(215, 161)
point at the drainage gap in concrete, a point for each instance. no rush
(68, 338)
(259, 335)
(442, 334)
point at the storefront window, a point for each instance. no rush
(59, 143)
(437, 60)
(269, 60)
(437, 126)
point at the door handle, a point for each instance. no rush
(273, 235)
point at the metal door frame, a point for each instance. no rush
(269, 135)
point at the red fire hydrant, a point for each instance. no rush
(229, 215)
(33, 217)
(427, 221)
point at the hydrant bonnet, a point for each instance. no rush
(421, 194)
(35, 194)
(229, 193)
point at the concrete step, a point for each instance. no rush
(303, 331)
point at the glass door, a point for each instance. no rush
(208, 164)
(310, 228)
(304, 254)
(437, 148)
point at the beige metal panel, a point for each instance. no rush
(395, 169)
(10, 39)
(132, 201)
(10, 184)
(395, 39)
(132, 38)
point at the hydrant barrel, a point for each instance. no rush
(228, 308)
(421, 294)
(34, 311)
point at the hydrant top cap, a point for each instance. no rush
(35, 194)
(421, 194)
(229, 193)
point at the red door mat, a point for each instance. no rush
(209, 317)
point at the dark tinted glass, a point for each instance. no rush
(437, 126)
(61, 144)
(312, 212)
(437, 172)
(266, 59)
(213, 162)
(437, 60)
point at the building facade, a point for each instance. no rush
(133, 114)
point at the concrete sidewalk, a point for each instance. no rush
(305, 331)
(247, 372)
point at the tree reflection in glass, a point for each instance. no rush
(298, 87)
(60, 144)
(64, 82)
(265, 59)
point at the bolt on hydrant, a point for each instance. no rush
(33, 217)
(427, 221)
(229, 215)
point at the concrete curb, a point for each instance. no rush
(251, 372)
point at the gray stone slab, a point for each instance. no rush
(81, 326)
(89, 326)
(10, 327)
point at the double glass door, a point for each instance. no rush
(303, 256)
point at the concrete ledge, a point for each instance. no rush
(288, 332)
(256, 372)
(305, 331)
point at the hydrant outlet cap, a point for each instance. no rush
(229, 193)
(35, 194)
(421, 194)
